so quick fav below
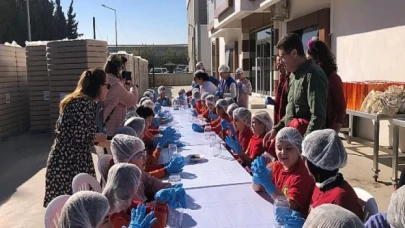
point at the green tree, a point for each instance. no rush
(60, 21)
(72, 23)
(171, 56)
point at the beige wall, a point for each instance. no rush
(190, 21)
(180, 79)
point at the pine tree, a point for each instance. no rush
(72, 23)
(60, 22)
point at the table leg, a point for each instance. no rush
(395, 146)
(376, 148)
(350, 128)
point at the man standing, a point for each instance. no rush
(227, 85)
(308, 92)
(244, 88)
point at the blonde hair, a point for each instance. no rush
(88, 85)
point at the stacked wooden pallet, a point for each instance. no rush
(38, 88)
(23, 94)
(66, 62)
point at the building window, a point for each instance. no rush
(213, 58)
(306, 35)
(263, 70)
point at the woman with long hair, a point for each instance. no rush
(320, 54)
(75, 133)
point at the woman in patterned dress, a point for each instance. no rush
(75, 133)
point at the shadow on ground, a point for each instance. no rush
(21, 158)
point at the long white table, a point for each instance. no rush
(219, 192)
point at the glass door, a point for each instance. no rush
(264, 72)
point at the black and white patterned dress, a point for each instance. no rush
(70, 153)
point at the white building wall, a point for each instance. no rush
(205, 51)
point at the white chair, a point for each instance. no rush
(367, 202)
(53, 210)
(103, 166)
(83, 182)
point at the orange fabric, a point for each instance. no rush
(153, 158)
(255, 147)
(217, 126)
(296, 184)
(198, 105)
(244, 138)
(123, 218)
(157, 171)
(202, 109)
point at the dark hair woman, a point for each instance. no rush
(203, 80)
(75, 133)
(119, 98)
(320, 53)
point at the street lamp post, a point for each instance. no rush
(116, 33)
(28, 20)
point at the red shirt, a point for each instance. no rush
(342, 195)
(244, 138)
(336, 108)
(198, 105)
(216, 124)
(296, 184)
(255, 147)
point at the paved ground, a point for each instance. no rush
(22, 177)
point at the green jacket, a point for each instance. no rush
(307, 97)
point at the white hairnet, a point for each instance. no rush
(265, 118)
(231, 108)
(122, 184)
(204, 96)
(222, 103)
(239, 71)
(136, 123)
(324, 149)
(151, 90)
(229, 100)
(84, 209)
(210, 99)
(332, 216)
(200, 66)
(161, 89)
(124, 130)
(148, 94)
(148, 103)
(290, 135)
(396, 209)
(196, 94)
(243, 115)
(182, 91)
(144, 99)
(224, 69)
(126, 147)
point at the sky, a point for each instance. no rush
(139, 21)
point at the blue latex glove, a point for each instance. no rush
(167, 137)
(155, 97)
(156, 122)
(233, 144)
(165, 103)
(167, 129)
(179, 144)
(174, 197)
(281, 213)
(262, 175)
(139, 220)
(269, 101)
(212, 115)
(175, 165)
(158, 107)
(194, 113)
(161, 114)
(219, 94)
(294, 220)
(169, 119)
(193, 102)
(240, 85)
(177, 136)
(197, 127)
(226, 125)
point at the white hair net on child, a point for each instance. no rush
(290, 135)
(210, 99)
(126, 147)
(196, 94)
(224, 69)
(148, 94)
(200, 66)
(124, 130)
(229, 100)
(122, 184)
(222, 103)
(204, 96)
(231, 108)
(239, 71)
(136, 123)
(182, 91)
(324, 149)
(84, 209)
(265, 118)
(151, 90)
(161, 89)
(143, 99)
(396, 209)
(148, 103)
(332, 216)
(243, 115)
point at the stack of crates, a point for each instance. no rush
(38, 88)
(67, 60)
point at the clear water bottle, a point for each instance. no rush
(281, 209)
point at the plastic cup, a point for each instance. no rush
(175, 218)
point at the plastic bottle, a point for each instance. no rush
(281, 209)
